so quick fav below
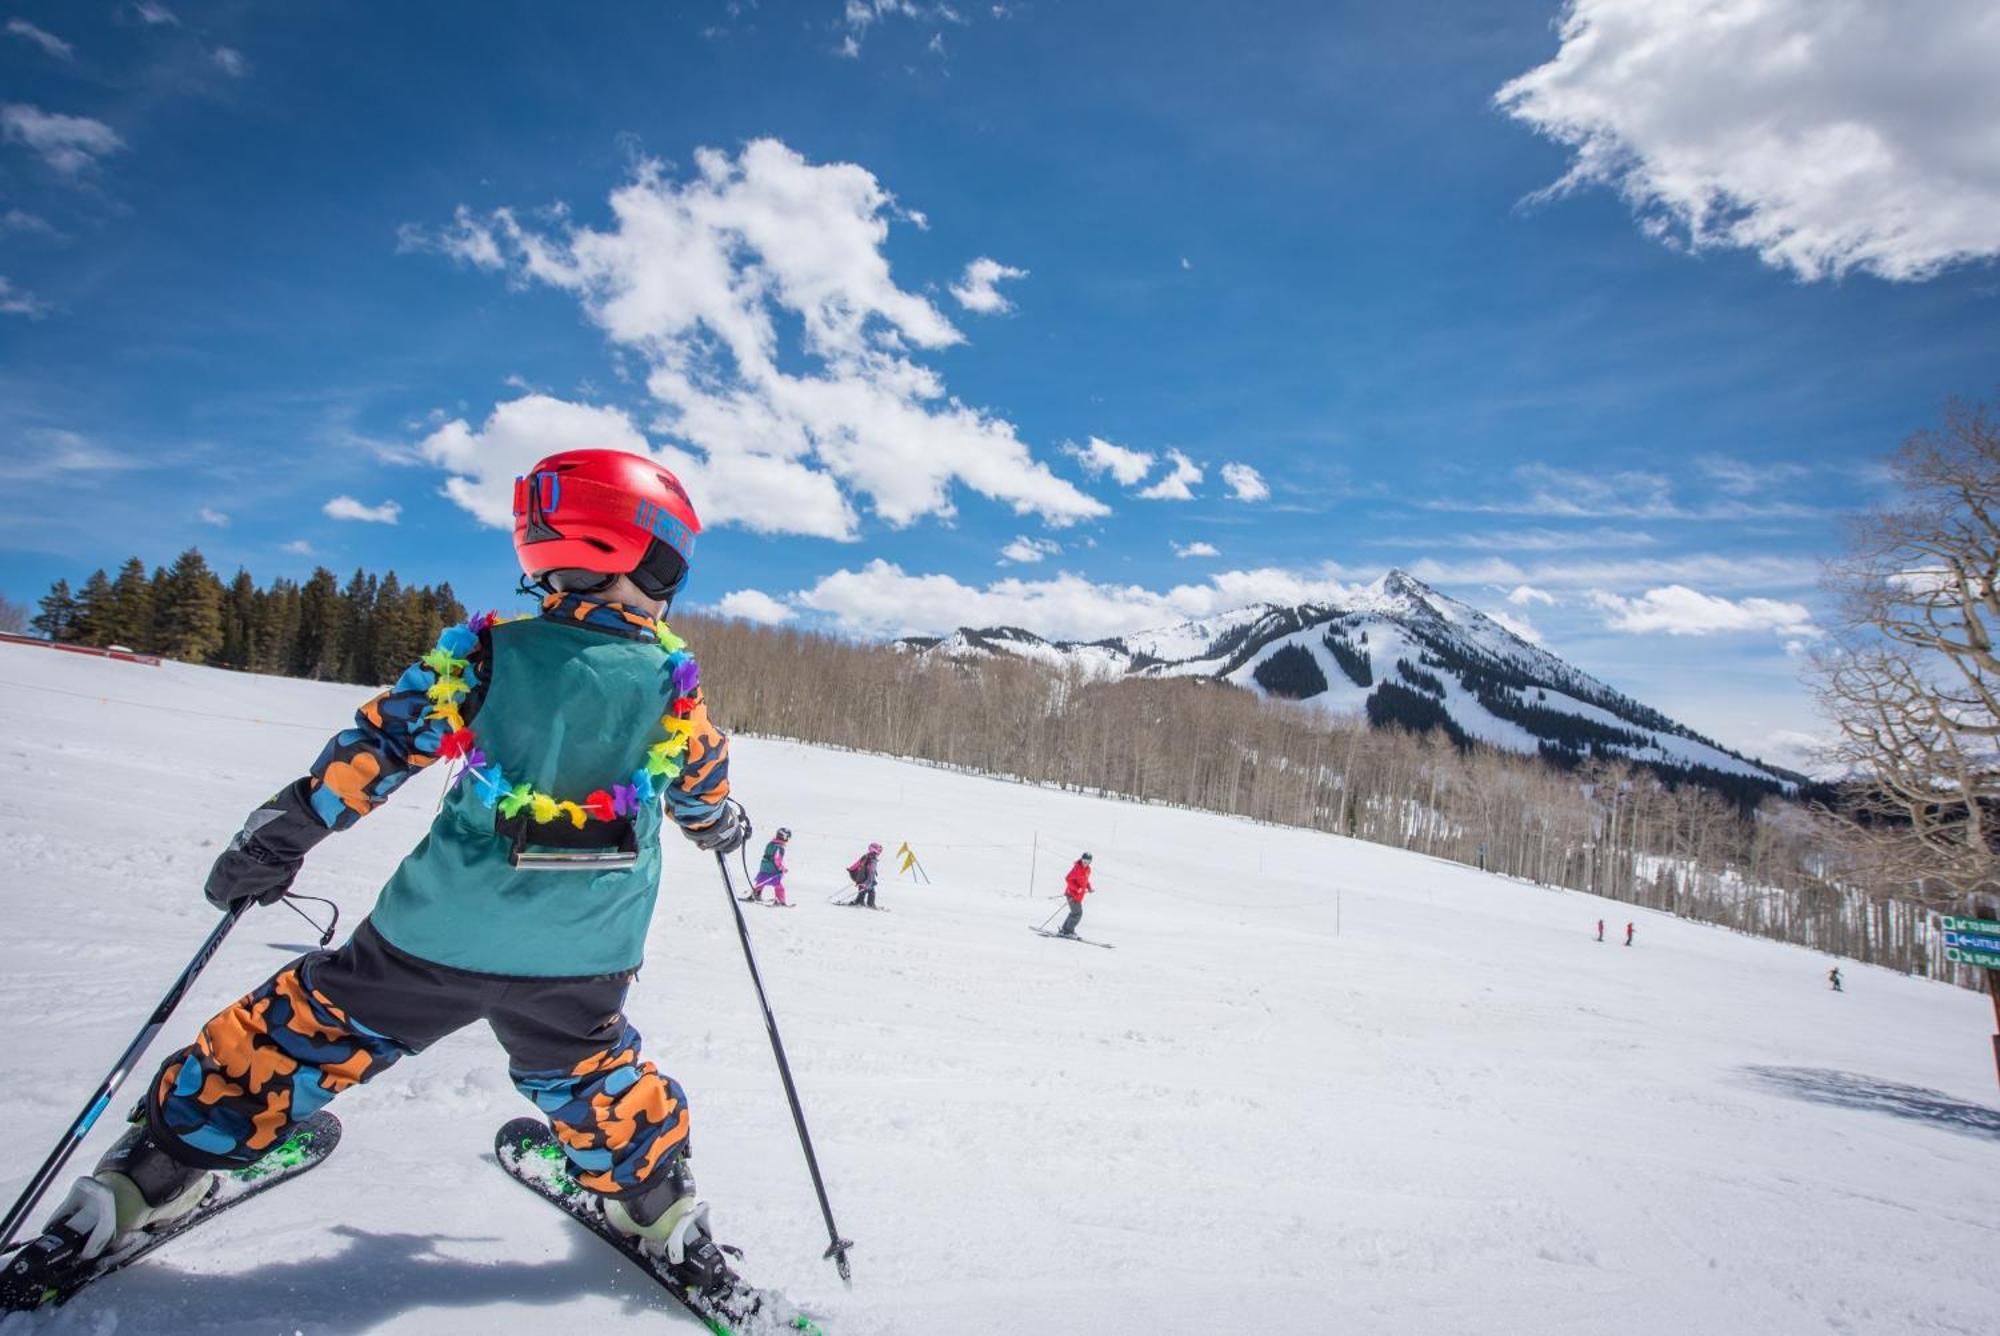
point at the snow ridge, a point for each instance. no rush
(1369, 651)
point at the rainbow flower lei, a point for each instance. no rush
(664, 762)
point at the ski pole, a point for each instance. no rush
(1050, 919)
(838, 1246)
(101, 1100)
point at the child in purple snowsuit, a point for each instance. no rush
(771, 872)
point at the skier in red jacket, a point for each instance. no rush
(1076, 885)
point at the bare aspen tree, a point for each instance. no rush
(1913, 686)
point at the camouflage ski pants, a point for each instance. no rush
(332, 1020)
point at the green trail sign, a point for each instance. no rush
(1970, 941)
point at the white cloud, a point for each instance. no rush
(754, 605)
(28, 224)
(858, 16)
(705, 279)
(1524, 595)
(1099, 456)
(298, 547)
(230, 61)
(56, 450)
(1186, 263)
(210, 515)
(1545, 489)
(978, 290)
(1828, 136)
(347, 508)
(1741, 478)
(1245, 483)
(1529, 540)
(466, 239)
(881, 599)
(1680, 611)
(70, 144)
(1519, 625)
(1179, 482)
(19, 301)
(1186, 550)
(1749, 570)
(46, 40)
(155, 15)
(1029, 550)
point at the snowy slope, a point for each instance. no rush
(1398, 619)
(1344, 1088)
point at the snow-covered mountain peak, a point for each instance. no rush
(1401, 652)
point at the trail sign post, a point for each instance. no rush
(1971, 941)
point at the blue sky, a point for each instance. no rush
(1606, 353)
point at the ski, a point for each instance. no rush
(769, 904)
(45, 1272)
(529, 1152)
(1039, 932)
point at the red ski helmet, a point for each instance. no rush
(608, 513)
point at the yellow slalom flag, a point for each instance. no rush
(908, 855)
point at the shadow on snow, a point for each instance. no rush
(1850, 1090)
(369, 1280)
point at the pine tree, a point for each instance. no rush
(357, 620)
(397, 629)
(128, 618)
(58, 613)
(150, 642)
(317, 650)
(239, 622)
(188, 615)
(93, 609)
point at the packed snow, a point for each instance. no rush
(1320, 1085)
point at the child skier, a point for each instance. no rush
(1628, 934)
(527, 904)
(1833, 979)
(1600, 930)
(771, 872)
(1076, 885)
(862, 873)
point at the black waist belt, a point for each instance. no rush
(558, 846)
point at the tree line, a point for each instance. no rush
(367, 631)
(1648, 836)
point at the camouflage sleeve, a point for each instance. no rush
(393, 738)
(695, 798)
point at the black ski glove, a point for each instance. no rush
(729, 831)
(266, 855)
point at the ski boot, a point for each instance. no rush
(672, 1223)
(136, 1186)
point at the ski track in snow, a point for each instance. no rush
(1321, 1085)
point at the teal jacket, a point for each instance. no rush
(568, 702)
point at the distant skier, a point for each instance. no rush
(862, 872)
(1628, 934)
(1833, 978)
(517, 909)
(1076, 885)
(771, 872)
(1600, 930)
